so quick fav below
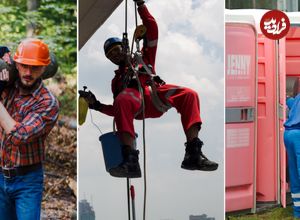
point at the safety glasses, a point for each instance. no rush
(32, 69)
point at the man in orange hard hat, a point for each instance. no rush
(28, 112)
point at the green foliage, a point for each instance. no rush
(13, 25)
(54, 22)
(67, 101)
(60, 19)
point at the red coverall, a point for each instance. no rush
(127, 104)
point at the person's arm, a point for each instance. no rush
(6, 121)
(37, 123)
(150, 45)
(290, 102)
(107, 109)
(95, 104)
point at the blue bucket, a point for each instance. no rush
(112, 150)
(111, 147)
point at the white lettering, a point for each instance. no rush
(274, 28)
(238, 64)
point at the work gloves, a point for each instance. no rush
(4, 67)
(4, 76)
(90, 98)
(139, 2)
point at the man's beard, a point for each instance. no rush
(29, 88)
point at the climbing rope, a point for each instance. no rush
(135, 13)
(135, 72)
(125, 43)
(144, 124)
(128, 197)
(126, 16)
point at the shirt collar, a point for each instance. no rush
(34, 92)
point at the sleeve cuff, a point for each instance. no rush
(96, 106)
(13, 135)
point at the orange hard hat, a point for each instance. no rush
(32, 52)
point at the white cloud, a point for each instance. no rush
(204, 18)
(189, 33)
(199, 16)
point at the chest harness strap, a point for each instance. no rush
(156, 101)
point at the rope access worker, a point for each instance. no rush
(28, 112)
(127, 104)
(292, 144)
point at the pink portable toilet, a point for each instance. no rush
(270, 101)
(293, 46)
(240, 128)
(267, 125)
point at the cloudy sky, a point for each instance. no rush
(190, 53)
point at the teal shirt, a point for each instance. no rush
(293, 121)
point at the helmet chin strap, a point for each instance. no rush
(122, 63)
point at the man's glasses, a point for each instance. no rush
(33, 69)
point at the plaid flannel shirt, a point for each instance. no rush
(35, 115)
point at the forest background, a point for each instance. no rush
(55, 23)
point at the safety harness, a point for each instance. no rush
(154, 80)
(151, 83)
(139, 65)
(133, 73)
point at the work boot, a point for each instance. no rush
(194, 159)
(130, 166)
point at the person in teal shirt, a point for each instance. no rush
(292, 144)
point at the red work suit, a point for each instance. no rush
(127, 102)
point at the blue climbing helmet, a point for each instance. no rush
(110, 42)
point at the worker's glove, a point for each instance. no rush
(5, 55)
(3, 50)
(139, 2)
(4, 75)
(158, 80)
(90, 98)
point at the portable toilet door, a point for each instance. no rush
(266, 190)
(281, 112)
(240, 128)
(270, 84)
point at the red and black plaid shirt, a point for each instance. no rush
(35, 114)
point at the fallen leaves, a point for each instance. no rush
(60, 191)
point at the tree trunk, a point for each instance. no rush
(32, 5)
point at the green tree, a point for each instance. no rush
(53, 21)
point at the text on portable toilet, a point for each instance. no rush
(239, 137)
(238, 65)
